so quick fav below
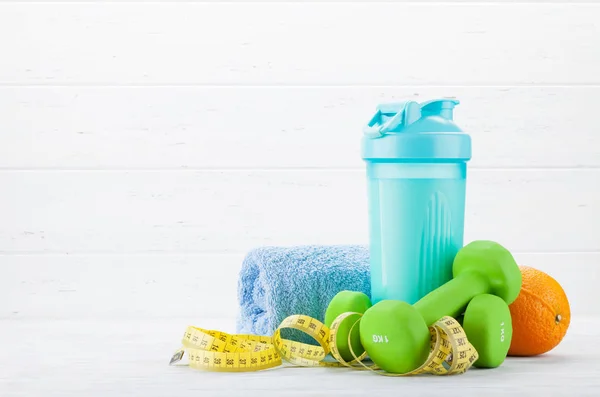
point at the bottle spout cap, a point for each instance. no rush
(440, 107)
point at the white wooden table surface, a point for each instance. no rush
(130, 357)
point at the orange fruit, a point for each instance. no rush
(540, 315)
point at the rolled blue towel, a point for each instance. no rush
(275, 282)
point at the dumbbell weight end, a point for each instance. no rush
(342, 302)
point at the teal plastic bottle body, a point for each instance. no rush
(416, 165)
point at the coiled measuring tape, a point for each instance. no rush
(450, 352)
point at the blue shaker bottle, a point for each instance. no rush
(416, 162)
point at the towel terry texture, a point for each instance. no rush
(275, 282)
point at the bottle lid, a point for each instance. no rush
(409, 131)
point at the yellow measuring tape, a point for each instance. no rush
(450, 353)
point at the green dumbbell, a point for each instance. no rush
(396, 334)
(487, 323)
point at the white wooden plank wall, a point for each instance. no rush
(299, 43)
(146, 146)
